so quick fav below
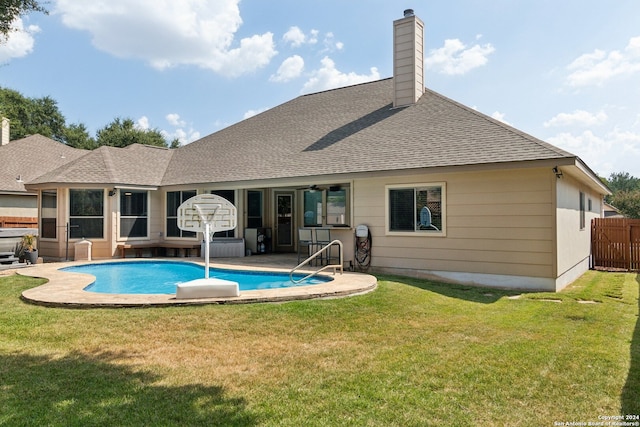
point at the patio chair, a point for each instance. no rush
(323, 238)
(305, 239)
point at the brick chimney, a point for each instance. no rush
(4, 132)
(408, 59)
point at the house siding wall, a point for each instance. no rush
(574, 243)
(498, 223)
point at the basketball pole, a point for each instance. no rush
(206, 250)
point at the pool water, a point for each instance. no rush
(162, 277)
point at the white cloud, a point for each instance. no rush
(577, 118)
(183, 136)
(251, 113)
(174, 119)
(614, 151)
(328, 77)
(500, 116)
(313, 37)
(166, 33)
(294, 36)
(599, 66)
(290, 69)
(20, 41)
(330, 44)
(143, 123)
(182, 131)
(455, 58)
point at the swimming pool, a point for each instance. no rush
(162, 277)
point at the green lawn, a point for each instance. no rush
(411, 353)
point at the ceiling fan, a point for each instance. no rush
(315, 187)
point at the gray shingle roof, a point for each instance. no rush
(348, 130)
(30, 157)
(133, 165)
(353, 129)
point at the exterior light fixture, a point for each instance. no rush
(557, 171)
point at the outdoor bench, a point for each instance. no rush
(155, 247)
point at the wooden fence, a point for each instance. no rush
(18, 222)
(615, 243)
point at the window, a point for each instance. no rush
(133, 213)
(416, 208)
(582, 211)
(86, 214)
(337, 207)
(254, 209)
(174, 200)
(312, 208)
(330, 204)
(230, 195)
(49, 214)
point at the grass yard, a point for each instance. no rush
(411, 353)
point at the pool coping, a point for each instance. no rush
(66, 289)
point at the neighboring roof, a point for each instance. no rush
(30, 157)
(136, 164)
(354, 129)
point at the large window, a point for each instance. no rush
(313, 208)
(416, 208)
(174, 200)
(326, 207)
(86, 214)
(255, 209)
(133, 213)
(49, 214)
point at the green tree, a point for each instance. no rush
(32, 115)
(77, 136)
(123, 132)
(10, 10)
(626, 193)
(628, 203)
(623, 181)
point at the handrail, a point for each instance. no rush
(314, 256)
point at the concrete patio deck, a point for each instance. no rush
(65, 289)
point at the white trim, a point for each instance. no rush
(119, 217)
(417, 233)
(133, 187)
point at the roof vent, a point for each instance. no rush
(408, 13)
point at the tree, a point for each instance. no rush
(623, 181)
(77, 136)
(123, 132)
(626, 193)
(32, 115)
(628, 203)
(10, 10)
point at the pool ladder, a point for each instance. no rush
(326, 267)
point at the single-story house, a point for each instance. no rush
(503, 208)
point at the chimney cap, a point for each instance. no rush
(408, 13)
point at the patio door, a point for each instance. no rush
(284, 235)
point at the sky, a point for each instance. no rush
(566, 72)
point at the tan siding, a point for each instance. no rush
(498, 222)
